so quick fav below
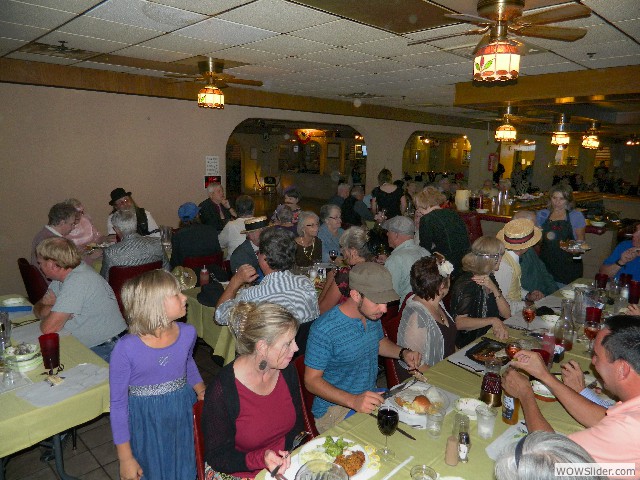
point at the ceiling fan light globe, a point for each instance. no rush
(497, 61)
(211, 97)
(505, 133)
(590, 142)
(560, 139)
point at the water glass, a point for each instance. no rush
(423, 472)
(486, 420)
(435, 419)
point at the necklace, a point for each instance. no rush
(308, 251)
(435, 311)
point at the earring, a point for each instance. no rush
(262, 365)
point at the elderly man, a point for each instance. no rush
(276, 258)
(625, 258)
(232, 235)
(121, 200)
(400, 234)
(62, 219)
(518, 236)
(354, 210)
(133, 249)
(341, 195)
(343, 347)
(216, 209)
(612, 435)
(78, 300)
(247, 252)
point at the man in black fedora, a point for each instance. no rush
(121, 200)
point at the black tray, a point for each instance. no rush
(486, 345)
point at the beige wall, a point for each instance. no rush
(59, 143)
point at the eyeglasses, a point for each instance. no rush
(335, 218)
(311, 225)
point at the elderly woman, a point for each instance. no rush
(477, 303)
(387, 196)
(85, 231)
(331, 229)
(284, 219)
(426, 326)
(560, 222)
(441, 229)
(308, 245)
(240, 438)
(355, 249)
(292, 197)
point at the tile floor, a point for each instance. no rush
(95, 456)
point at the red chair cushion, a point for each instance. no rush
(198, 262)
(198, 438)
(119, 275)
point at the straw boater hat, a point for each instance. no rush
(255, 223)
(519, 234)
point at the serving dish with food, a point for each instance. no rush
(488, 349)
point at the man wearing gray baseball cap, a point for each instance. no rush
(400, 234)
(343, 347)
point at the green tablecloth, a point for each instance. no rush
(23, 425)
(218, 337)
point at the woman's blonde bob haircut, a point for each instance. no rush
(143, 299)
(429, 197)
(61, 250)
(251, 322)
(484, 254)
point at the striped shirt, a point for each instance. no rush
(294, 292)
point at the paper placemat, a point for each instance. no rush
(77, 379)
(29, 333)
(510, 436)
(460, 359)
(20, 380)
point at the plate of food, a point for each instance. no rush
(415, 402)
(488, 349)
(23, 352)
(576, 247)
(541, 391)
(342, 451)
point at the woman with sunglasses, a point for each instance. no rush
(477, 304)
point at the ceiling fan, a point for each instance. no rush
(212, 72)
(498, 18)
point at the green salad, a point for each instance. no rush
(335, 447)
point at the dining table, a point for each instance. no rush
(455, 379)
(218, 337)
(28, 416)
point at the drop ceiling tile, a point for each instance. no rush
(243, 54)
(83, 43)
(614, 10)
(108, 30)
(32, 15)
(632, 27)
(430, 59)
(341, 33)
(74, 6)
(378, 66)
(334, 71)
(32, 57)
(121, 68)
(141, 13)
(440, 31)
(546, 58)
(21, 32)
(178, 43)
(9, 44)
(209, 7)
(137, 51)
(257, 72)
(583, 53)
(555, 68)
(294, 64)
(621, 61)
(390, 47)
(221, 31)
(285, 45)
(339, 56)
(597, 34)
(277, 16)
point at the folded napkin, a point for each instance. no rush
(76, 380)
(510, 436)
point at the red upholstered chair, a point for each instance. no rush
(198, 438)
(473, 224)
(226, 266)
(119, 275)
(307, 398)
(34, 281)
(198, 262)
(390, 323)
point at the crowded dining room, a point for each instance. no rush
(381, 239)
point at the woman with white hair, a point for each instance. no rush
(308, 245)
(535, 456)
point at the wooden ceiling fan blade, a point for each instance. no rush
(553, 15)
(463, 17)
(479, 31)
(564, 34)
(242, 81)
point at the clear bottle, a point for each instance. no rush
(548, 345)
(565, 329)
(204, 276)
(510, 407)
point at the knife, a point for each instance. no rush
(398, 429)
(398, 388)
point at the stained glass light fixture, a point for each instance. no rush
(560, 136)
(590, 139)
(499, 61)
(211, 97)
(505, 132)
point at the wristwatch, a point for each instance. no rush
(620, 264)
(401, 354)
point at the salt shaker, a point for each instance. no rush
(464, 440)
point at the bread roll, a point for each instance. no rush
(420, 404)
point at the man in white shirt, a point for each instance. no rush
(518, 236)
(231, 236)
(121, 200)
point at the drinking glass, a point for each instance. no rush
(50, 348)
(601, 280)
(634, 291)
(387, 424)
(529, 314)
(423, 472)
(313, 273)
(512, 348)
(333, 254)
(591, 329)
(435, 419)
(486, 420)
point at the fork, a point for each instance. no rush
(296, 443)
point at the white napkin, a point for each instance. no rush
(76, 380)
(510, 436)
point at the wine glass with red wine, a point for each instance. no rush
(529, 314)
(333, 254)
(591, 329)
(387, 424)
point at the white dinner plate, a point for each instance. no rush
(316, 444)
(410, 417)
